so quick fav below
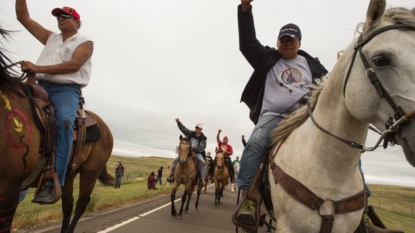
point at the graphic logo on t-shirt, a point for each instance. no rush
(291, 77)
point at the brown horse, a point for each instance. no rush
(20, 143)
(206, 175)
(187, 173)
(221, 175)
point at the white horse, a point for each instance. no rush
(236, 167)
(373, 82)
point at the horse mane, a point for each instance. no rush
(400, 15)
(9, 81)
(298, 117)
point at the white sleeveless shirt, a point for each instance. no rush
(57, 51)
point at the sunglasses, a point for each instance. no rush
(288, 39)
(64, 16)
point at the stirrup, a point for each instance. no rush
(243, 225)
(46, 176)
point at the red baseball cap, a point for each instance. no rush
(66, 10)
(225, 138)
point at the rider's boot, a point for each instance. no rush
(246, 214)
(170, 178)
(46, 196)
(201, 183)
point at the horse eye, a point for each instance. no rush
(380, 61)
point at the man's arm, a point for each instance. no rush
(243, 140)
(217, 137)
(183, 128)
(37, 30)
(81, 54)
(253, 51)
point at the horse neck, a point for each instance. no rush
(331, 114)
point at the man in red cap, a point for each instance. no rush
(227, 152)
(63, 68)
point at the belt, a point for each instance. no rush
(60, 84)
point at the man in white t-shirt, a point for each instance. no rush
(63, 68)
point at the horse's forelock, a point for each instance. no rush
(400, 15)
(297, 118)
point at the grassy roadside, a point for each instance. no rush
(395, 205)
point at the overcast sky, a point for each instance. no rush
(158, 60)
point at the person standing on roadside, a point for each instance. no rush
(119, 173)
(160, 175)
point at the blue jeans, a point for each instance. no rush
(255, 150)
(65, 100)
(202, 165)
(118, 179)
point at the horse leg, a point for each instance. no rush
(67, 203)
(199, 190)
(8, 206)
(183, 202)
(172, 198)
(189, 196)
(216, 194)
(87, 182)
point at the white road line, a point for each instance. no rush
(119, 225)
(135, 218)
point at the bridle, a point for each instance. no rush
(184, 142)
(399, 116)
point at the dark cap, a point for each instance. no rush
(290, 30)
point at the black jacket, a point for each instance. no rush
(262, 59)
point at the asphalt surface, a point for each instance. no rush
(154, 216)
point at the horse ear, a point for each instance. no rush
(374, 13)
(181, 137)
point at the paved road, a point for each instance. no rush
(154, 216)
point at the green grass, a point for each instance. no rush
(30, 215)
(395, 205)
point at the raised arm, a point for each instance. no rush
(37, 30)
(217, 136)
(246, 4)
(183, 128)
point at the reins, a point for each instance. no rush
(24, 74)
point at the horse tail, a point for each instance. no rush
(105, 178)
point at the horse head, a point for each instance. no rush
(220, 160)
(380, 78)
(184, 149)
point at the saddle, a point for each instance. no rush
(260, 192)
(85, 130)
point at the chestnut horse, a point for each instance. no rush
(187, 173)
(20, 143)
